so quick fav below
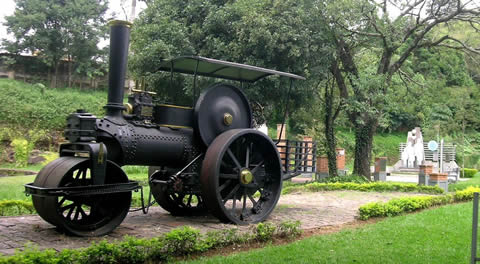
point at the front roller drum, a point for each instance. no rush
(241, 176)
(93, 215)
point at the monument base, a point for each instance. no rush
(380, 176)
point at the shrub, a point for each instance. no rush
(264, 231)
(16, 207)
(466, 194)
(352, 178)
(182, 241)
(289, 229)
(22, 150)
(178, 242)
(410, 204)
(401, 205)
(363, 187)
(469, 173)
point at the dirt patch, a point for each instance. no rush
(319, 213)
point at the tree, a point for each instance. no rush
(373, 40)
(56, 30)
(281, 35)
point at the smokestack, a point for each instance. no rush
(119, 40)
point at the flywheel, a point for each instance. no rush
(220, 108)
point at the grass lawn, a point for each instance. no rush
(441, 235)
(11, 188)
(475, 181)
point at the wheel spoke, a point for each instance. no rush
(247, 158)
(79, 173)
(69, 215)
(253, 200)
(189, 202)
(234, 202)
(257, 167)
(77, 213)
(62, 201)
(230, 153)
(62, 209)
(228, 176)
(234, 190)
(244, 208)
(84, 215)
(223, 186)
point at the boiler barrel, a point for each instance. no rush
(161, 147)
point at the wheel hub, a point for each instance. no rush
(246, 176)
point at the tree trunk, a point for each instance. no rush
(55, 75)
(363, 147)
(331, 145)
(330, 142)
(70, 72)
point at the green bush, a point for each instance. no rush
(178, 242)
(466, 194)
(24, 105)
(264, 231)
(469, 173)
(410, 204)
(22, 150)
(289, 229)
(351, 178)
(16, 207)
(363, 187)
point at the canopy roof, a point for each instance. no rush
(220, 69)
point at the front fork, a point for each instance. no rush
(97, 152)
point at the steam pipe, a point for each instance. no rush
(119, 41)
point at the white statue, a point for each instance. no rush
(413, 154)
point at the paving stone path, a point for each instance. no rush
(312, 209)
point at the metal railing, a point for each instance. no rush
(298, 156)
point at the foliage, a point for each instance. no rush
(289, 229)
(264, 231)
(373, 50)
(15, 207)
(178, 242)
(56, 30)
(468, 173)
(410, 204)
(363, 187)
(401, 205)
(461, 185)
(441, 235)
(22, 150)
(24, 106)
(49, 157)
(281, 35)
(350, 178)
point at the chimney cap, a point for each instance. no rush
(113, 23)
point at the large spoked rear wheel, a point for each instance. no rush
(93, 215)
(241, 176)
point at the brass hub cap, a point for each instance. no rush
(227, 119)
(246, 176)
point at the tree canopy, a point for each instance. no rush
(57, 29)
(280, 35)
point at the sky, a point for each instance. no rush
(8, 7)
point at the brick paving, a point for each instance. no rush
(313, 210)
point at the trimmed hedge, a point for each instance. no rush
(410, 204)
(363, 187)
(178, 242)
(16, 207)
(469, 173)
